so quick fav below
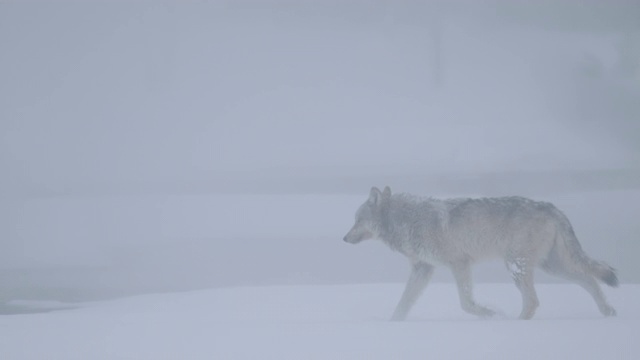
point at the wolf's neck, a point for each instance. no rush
(391, 224)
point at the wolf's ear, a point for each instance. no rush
(386, 193)
(375, 196)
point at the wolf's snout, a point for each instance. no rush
(348, 239)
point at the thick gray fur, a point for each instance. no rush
(458, 232)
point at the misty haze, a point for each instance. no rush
(223, 146)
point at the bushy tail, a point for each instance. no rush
(567, 247)
(602, 272)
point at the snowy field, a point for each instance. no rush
(178, 176)
(327, 322)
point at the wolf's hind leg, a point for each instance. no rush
(591, 285)
(586, 281)
(420, 275)
(522, 273)
(462, 273)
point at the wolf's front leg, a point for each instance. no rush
(420, 275)
(462, 273)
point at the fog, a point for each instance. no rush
(161, 146)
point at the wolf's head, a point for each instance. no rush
(368, 216)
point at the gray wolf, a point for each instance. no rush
(459, 232)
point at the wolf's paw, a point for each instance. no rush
(527, 314)
(396, 317)
(486, 312)
(608, 311)
(478, 310)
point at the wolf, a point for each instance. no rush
(459, 232)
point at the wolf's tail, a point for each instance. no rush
(568, 248)
(602, 271)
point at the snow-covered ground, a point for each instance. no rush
(327, 322)
(149, 147)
